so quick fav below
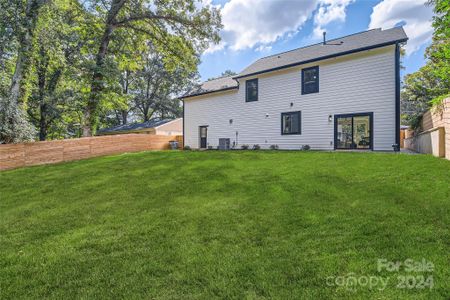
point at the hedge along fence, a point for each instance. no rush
(48, 152)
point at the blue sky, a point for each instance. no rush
(257, 28)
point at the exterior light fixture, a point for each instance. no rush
(330, 118)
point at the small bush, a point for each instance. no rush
(210, 147)
(416, 123)
(306, 147)
(187, 148)
(245, 147)
(256, 147)
(274, 147)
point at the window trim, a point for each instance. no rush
(303, 82)
(246, 89)
(299, 122)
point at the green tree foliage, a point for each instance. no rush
(67, 65)
(419, 88)
(431, 84)
(438, 52)
(56, 52)
(156, 88)
(177, 29)
(23, 15)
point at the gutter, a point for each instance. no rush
(209, 92)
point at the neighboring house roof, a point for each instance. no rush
(361, 41)
(153, 123)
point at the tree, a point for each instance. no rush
(176, 27)
(419, 88)
(156, 89)
(226, 73)
(25, 40)
(14, 125)
(438, 53)
(431, 83)
(58, 44)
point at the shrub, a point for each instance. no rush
(245, 147)
(437, 102)
(274, 147)
(256, 147)
(416, 122)
(306, 147)
(210, 147)
(187, 148)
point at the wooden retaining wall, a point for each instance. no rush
(435, 135)
(48, 152)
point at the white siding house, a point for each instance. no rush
(355, 105)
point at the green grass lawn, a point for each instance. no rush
(255, 224)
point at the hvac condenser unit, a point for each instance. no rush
(224, 144)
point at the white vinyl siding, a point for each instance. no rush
(356, 83)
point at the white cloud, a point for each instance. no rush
(415, 15)
(263, 48)
(251, 22)
(329, 11)
(255, 23)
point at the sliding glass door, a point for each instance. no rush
(353, 131)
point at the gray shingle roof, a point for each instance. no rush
(350, 43)
(214, 85)
(345, 45)
(134, 127)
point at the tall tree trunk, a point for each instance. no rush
(41, 68)
(16, 90)
(14, 124)
(126, 84)
(43, 122)
(90, 114)
(124, 114)
(42, 107)
(145, 113)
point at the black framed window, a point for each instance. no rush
(251, 90)
(310, 80)
(291, 122)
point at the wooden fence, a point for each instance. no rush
(48, 152)
(434, 137)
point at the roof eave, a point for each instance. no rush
(323, 58)
(208, 92)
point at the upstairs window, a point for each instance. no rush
(310, 80)
(251, 90)
(291, 122)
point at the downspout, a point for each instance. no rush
(397, 97)
(183, 122)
